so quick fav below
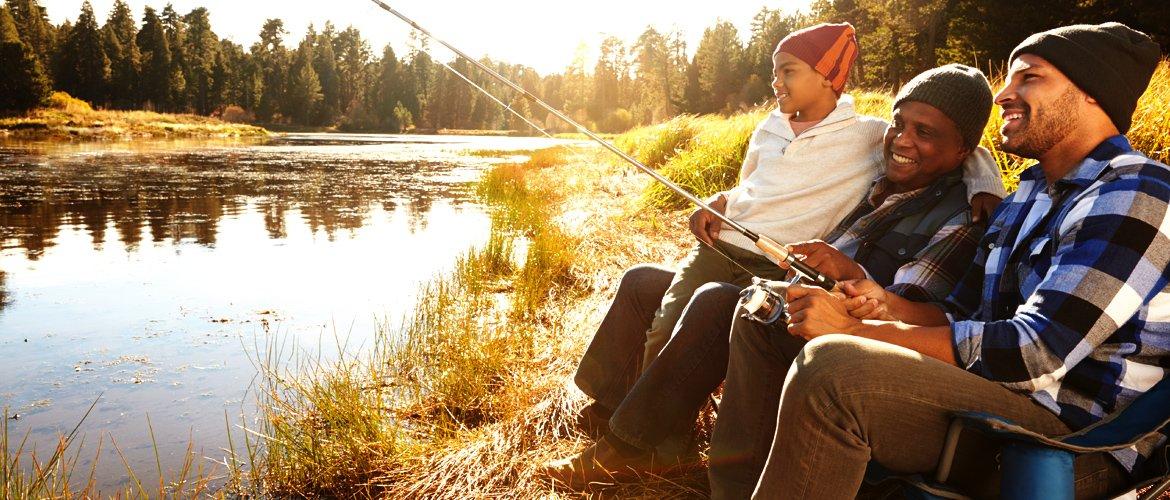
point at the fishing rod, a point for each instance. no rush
(767, 245)
(497, 100)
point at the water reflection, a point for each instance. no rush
(150, 273)
(183, 196)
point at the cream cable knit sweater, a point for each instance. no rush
(799, 188)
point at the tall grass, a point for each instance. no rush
(706, 163)
(24, 475)
(471, 355)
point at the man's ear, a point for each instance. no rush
(964, 153)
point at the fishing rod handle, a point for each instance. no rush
(781, 254)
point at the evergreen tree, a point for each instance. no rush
(353, 59)
(652, 77)
(84, 69)
(156, 61)
(201, 50)
(23, 85)
(325, 64)
(178, 74)
(718, 61)
(271, 60)
(422, 72)
(389, 90)
(304, 90)
(125, 56)
(32, 22)
(608, 78)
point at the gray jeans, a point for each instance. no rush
(759, 359)
(847, 400)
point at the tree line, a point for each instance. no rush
(174, 62)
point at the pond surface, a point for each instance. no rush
(155, 273)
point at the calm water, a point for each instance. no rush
(153, 273)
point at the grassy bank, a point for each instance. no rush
(69, 118)
(471, 396)
(475, 393)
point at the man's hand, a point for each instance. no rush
(814, 312)
(983, 205)
(828, 260)
(706, 226)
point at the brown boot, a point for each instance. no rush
(599, 463)
(593, 420)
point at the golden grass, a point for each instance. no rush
(468, 397)
(25, 476)
(69, 117)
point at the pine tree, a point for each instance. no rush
(178, 74)
(388, 91)
(325, 64)
(202, 47)
(32, 22)
(23, 85)
(125, 56)
(156, 61)
(304, 89)
(718, 61)
(353, 61)
(84, 69)
(271, 60)
(608, 77)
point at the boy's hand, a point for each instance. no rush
(867, 300)
(983, 205)
(814, 312)
(828, 260)
(706, 226)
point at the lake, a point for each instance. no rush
(155, 273)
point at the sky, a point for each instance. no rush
(544, 34)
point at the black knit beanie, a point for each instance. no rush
(960, 92)
(1111, 62)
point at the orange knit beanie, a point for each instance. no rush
(829, 48)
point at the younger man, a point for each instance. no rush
(1060, 322)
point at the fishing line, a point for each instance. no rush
(779, 253)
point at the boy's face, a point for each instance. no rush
(922, 144)
(797, 85)
(1041, 107)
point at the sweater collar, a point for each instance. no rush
(844, 114)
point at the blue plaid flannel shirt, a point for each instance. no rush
(1067, 299)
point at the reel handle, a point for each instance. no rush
(782, 256)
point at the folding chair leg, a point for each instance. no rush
(1036, 472)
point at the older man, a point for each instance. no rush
(1060, 321)
(914, 230)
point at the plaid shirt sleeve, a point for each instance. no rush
(964, 299)
(937, 268)
(1111, 256)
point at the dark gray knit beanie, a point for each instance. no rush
(960, 92)
(1111, 62)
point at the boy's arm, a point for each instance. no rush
(982, 175)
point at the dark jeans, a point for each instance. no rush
(663, 402)
(761, 356)
(667, 398)
(613, 360)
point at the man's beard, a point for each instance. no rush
(1047, 127)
